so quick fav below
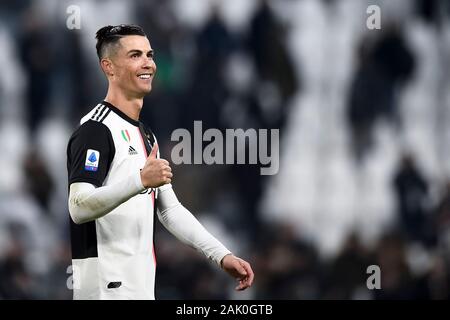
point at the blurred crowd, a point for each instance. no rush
(358, 109)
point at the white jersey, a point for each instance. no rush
(113, 256)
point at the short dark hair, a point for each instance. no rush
(110, 35)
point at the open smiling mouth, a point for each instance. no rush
(145, 76)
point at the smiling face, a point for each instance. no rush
(130, 66)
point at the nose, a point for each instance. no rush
(149, 64)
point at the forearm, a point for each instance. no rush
(87, 203)
(183, 225)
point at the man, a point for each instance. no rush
(117, 181)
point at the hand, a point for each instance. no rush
(239, 269)
(156, 172)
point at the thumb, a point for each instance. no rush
(154, 151)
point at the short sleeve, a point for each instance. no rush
(90, 152)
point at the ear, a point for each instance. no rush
(107, 67)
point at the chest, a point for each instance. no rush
(131, 147)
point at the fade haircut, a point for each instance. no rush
(108, 37)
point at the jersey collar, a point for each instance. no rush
(121, 114)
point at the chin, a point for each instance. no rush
(148, 90)
(145, 91)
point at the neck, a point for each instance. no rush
(131, 106)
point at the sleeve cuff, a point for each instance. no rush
(137, 182)
(222, 255)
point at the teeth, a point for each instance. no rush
(144, 76)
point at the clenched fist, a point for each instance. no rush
(156, 172)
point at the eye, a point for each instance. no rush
(134, 55)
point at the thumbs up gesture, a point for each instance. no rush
(156, 172)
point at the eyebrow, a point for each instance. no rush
(138, 51)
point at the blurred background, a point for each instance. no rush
(363, 115)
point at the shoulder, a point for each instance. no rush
(93, 134)
(92, 129)
(98, 114)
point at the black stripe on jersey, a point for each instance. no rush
(84, 240)
(149, 142)
(147, 133)
(101, 113)
(145, 138)
(114, 285)
(106, 114)
(97, 108)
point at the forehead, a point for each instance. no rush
(135, 42)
